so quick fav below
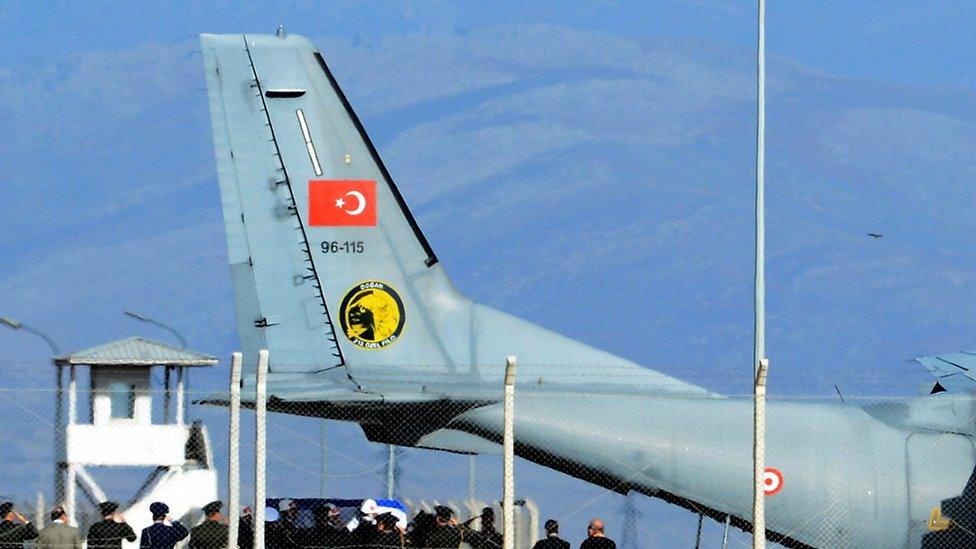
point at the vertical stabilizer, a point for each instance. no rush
(331, 271)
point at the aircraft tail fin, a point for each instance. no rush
(331, 271)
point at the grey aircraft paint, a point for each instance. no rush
(303, 285)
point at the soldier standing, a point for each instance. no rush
(159, 535)
(111, 530)
(446, 533)
(15, 529)
(212, 532)
(488, 537)
(388, 534)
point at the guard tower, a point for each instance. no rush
(120, 430)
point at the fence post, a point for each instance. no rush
(759, 459)
(508, 490)
(70, 483)
(234, 451)
(260, 452)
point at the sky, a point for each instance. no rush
(587, 166)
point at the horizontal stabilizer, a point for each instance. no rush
(955, 372)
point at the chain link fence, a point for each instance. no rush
(657, 469)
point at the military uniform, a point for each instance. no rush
(160, 536)
(14, 534)
(324, 536)
(488, 538)
(109, 534)
(391, 539)
(211, 534)
(443, 537)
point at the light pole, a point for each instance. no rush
(58, 406)
(15, 325)
(170, 329)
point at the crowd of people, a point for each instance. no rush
(371, 527)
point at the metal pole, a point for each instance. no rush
(260, 452)
(759, 352)
(508, 489)
(701, 517)
(166, 394)
(154, 322)
(760, 364)
(60, 437)
(725, 536)
(471, 476)
(71, 480)
(234, 450)
(324, 485)
(15, 325)
(390, 475)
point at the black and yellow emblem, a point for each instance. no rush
(372, 315)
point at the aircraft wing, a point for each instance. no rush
(955, 372)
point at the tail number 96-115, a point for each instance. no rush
(342, 247)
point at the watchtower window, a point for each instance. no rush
(123, 399)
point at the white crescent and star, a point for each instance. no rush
(360, 207)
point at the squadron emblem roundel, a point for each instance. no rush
(372, 315)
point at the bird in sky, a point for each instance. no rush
(875, 235)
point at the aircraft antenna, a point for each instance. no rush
(759, 362)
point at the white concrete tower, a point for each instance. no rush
(120, 431)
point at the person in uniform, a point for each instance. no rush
(111, 530)
(212, 532)
(286, 528)
(596, 539)
(446, 533)
(15, 529)
(488, 537)
(159, 535)
(59, 535)
(422, 525)
(388, 534)
(328, 530)
(552, 539)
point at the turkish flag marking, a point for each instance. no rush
(341, 203)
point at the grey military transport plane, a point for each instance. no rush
(333, 275)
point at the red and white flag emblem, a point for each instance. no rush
(337, 203)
